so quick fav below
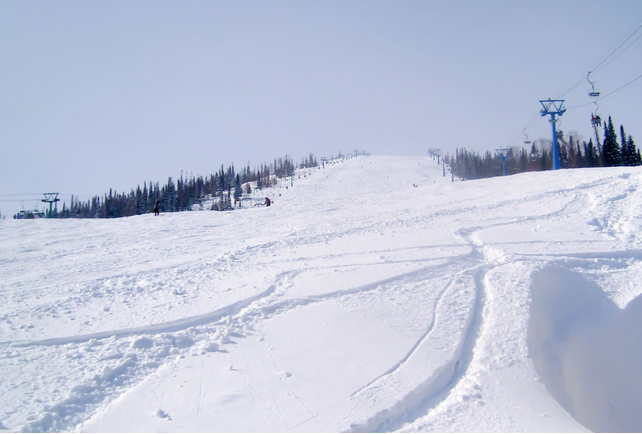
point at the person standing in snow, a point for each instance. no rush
(157, 208)
(267, 201)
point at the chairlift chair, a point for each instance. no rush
(592, 92)
(596, 120)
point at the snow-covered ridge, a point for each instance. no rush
(374, 295)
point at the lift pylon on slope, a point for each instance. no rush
(50, 198)
(503, 154)
(554, 107)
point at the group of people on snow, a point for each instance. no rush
(267, 202)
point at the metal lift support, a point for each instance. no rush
(50, 198)
(554, 107)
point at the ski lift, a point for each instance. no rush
(526, 141)
(596, 120)
(592, 93)
(558, 129)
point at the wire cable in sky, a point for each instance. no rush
(22, 194)
(514, 139)
(19, 200)
(608, 94)
(595, 68)
(577, 83)
(618, 54)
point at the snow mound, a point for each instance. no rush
(143, 343)
(587, 351)
(211, 347)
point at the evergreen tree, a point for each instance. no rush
(544, 161)
(523, 160)
(144, 202)
(238, 191)
(590, 154)
(139, 200)
(637, 161)
(220, 185)
(629, 152)
(579, 161)
(611, 151)
(564, 156)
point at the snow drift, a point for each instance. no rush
(587, 350)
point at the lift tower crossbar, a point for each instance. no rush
(554, 107)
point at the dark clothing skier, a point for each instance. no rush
(157, 208)
(267, 201)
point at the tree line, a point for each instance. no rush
(226, 185)
(573, 154)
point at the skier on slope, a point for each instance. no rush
(267, 201)
(157, 208)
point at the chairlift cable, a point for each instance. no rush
(621, 87)
(19, 200)
(618, 54)
(22, 194)
(617, 48)
(577, 83)
(525, 128)
(608, 94)
(595, 68)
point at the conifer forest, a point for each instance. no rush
(227, 185)
(612, 150)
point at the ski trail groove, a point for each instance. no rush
(170, 326)
(421, 339)
(419, 400)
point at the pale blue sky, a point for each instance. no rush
(106, 94)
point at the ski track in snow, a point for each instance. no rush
(119, 359)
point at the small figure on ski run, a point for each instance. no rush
(267, 201)
(157, 208)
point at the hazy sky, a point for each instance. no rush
(100, 94)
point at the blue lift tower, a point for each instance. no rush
(503, 154)
(554, 107)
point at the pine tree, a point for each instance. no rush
(238, 191)
(626, 155)
(139, 200)
(636, 159)
(144, 203)
(564, 156)
(544, 161)
(579, 161)
(590, 154)
(612, 153)
(523, 160)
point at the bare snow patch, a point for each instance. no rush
(163, 414)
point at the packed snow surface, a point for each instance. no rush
(374, 295)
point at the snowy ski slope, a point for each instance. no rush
(357, 302)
